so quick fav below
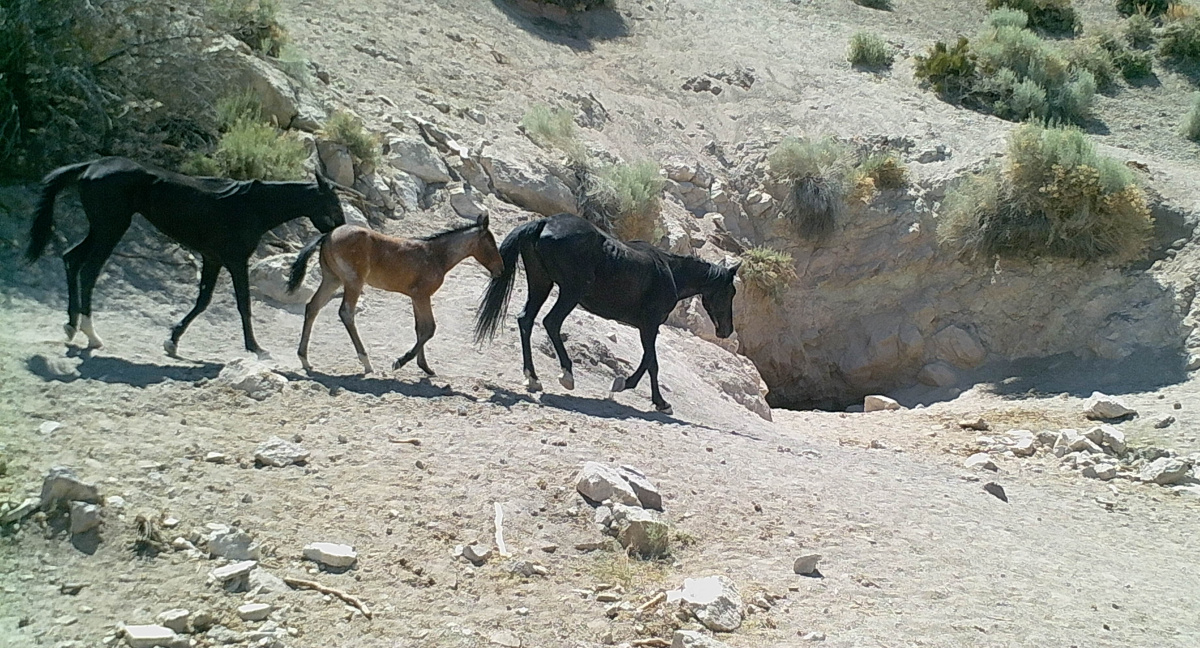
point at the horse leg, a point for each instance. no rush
(210, 269)
(72, 260)
(423, 314)
(622, 383)
(346, 312)
(103, 240)
(650, 360)
(329, 285)
(539, 291)
(241, 291)
(567, 300)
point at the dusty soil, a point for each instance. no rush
(915, 552)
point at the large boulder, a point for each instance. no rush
(269, 278)
(412, 155)
(598, 482)
(525, 186)
(957, 347)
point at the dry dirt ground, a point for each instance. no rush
(915, 552)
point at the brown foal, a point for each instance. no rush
(355, 256)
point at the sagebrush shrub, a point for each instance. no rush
(1008, 59)
(552, 128)
(1008, 17)
(767, 271)
(238, 106)
(347, 129)
(1054, 197)
(949, 70)
(818, 173)
(885, 170)
(1139, 31)
(868, 50)
(252, 150)
(633, 194)
(1180, 41)
(1093, 55)
(1055, 16)
(1191, 123)
(254, 22)
(1149, 8)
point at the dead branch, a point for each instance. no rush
(300, 583)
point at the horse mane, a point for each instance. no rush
(450, 232)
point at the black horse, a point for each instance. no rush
(633, 283)
(221, 220)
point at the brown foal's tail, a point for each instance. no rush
(300, 265)
(495, 300)
(43, 218)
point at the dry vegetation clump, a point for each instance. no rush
(767, 272)
(1180, 41)
(347, 129)
(1191, 123)
(1053, 197)
(553, 129)
(1148, 8)
(254, 22)
(1052, 16)
(819, 174)
(885, 170)
(248, 148)
(633, 195)
(869, 51)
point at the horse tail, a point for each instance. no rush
(495, 301)
(43, 219)
(300, 265)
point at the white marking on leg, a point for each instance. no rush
(567, 380)
(85, 325)
(366, 363)
(531, 383)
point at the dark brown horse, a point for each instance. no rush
(355, 256)
(633, 283)
(220, 220)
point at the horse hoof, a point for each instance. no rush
(533, 385)
(70, 331)
(95, 343)
(665, 409)
(171, 348)
(618, 384)
(263, 354)
(305, 365)
(567, 380)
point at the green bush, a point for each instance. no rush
(884, 5)
(236, 107)
(1092, 55)
(1009, 59)
(1191, 123)
(1139, 31)
(885, 170)
(1054, 197)
(254, 22)
(1181, 41)
(633, 194)
(767, 272)
(346, 129)
(252, 150)
(868, 50)
(1148, 8)
(1054, 16)
(552, 129)
(819, 173)
(950, 71)
(1135, 64)
(1008, 17)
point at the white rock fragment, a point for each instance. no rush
(177, 620)
(640, 531)
(876, 403)
(20, 511)
(84, 517)
(713, 600)
(1101, 471)
(153, 636)
(599, 482)
(254, 611)
(224, 542)
(254, 377)
(1024, 446)
(980, 461)
(1103, 407)
(234, 577)
(806, 564)
(49, 427)
(693, 639)
(337, 556)
(1165, 471)
(215, 457)
(264, 582)
(61, 485)
(279, 453)
(647, 493)
(1111, 438)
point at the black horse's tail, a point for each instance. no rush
(43, 219)
(495, 300)
(300, 265)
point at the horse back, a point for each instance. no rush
(363, 256)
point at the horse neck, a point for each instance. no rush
(691, 275)
(453, 248)
(276, 203)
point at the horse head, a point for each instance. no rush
(486, 252)
(327, 212)
(717, 298)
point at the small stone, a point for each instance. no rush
(279, 453)
(476, 554)
(152, 636)
(71, 589)
(713, 600)
(876, 403)
(813, 636)
(603, 516)
(61, 485)
(974, 424)
(995, 490)
(506, 639)
(549, 547)
(980, 461)
(338, 556)
(693, 639)
(1164, 422)
(1165, 471)
(215, 457)
(84, 517)
(1103, 407)
(1024, 447)
(607, 597)
(647, 493)
(640, 532)
(806, 564)
(234, 577)
(176, 619)
(20, 511)
(233, 544)
(598, 482)
(1103, 471)
(204, 620)
(49, 427)
(1112, 438)
(254, 611)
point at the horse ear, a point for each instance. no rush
(734, 268)
(322, 183)
(483, 221)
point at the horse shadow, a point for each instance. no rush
(604, 408)
(360, 384)
(116, 370)
(599, 24)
